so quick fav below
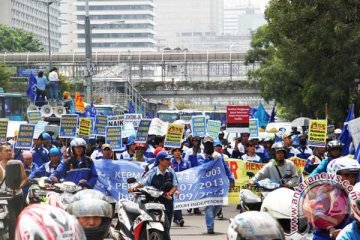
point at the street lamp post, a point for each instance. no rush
(231, 67)
(48, 26)
(88, 53)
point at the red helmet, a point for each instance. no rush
(45, 222)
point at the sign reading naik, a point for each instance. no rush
(25, 137)
(237, 118)
(174, 135)
(317, 133)
(3, 128)
(68, 125)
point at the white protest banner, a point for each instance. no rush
(133, 118)
(354, 129)
(39, 128)
(128, 130)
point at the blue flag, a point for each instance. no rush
(252, 112)
(273, 114)
(131, 107)
(93, 111)
(345, 136)
(147, 115)
(262, 115)
(31, 88)
(357, 154)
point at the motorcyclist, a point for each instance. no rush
(290, 150)
(45, 222)
(314, 160)
(163, 178)
(94, 215)
(334, 151)
(280, 169)
(48, 168)
(79, 168)
(352, 230)
(244, 224)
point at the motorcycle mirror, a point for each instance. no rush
(13, 174)
(131, 180)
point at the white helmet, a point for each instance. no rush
(78, 142)
(354, 196)
(254, 225)
(343, 164)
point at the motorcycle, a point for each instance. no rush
(250, 201)
(12, 181)
(145, 219)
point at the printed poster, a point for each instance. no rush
(317, 133)
(174, 135)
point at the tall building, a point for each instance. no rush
(120, 25)
(31, 16)
(184, 23)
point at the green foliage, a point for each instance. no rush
(309, 56)
(18, 40)
(5, 74)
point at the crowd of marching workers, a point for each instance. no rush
(56, 158)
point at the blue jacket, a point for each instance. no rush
(322, 166)
(179, 167)
(226, 167)
(44, 170)
(29, 170)
(73, 170)
(40, 155)
(262, 153)
(350, 232)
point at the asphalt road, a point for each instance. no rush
(195, 227)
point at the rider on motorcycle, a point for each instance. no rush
(352, 231)
(244, 224)
(45, 222)
(334, 151)
(79, 168)
(48, 168)
(280, 169)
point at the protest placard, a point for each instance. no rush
(158, 127)
(198, 126)
(68, 125)
(213, 129)
(25, 137)
(3, 128)
(133, 118)
(143, 131)
(354, 129)
(34, 117)
(113, 137)
(174, 135)
(100, 124)
(237, 118)
(39, 129)
(84, 127)
(317, 133)
(254, 127)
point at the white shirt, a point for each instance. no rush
(248, 158)
(53, 76)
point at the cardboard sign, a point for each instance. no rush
(174, 135)
(25, 137)
(198, 126)
(115, 120)
(39, 129)
(237, 118)
(84, 127)
(354, 129)
(143, 131)
(100, 124)
(317, 133)
(113, 137)
(133, 118)
(3, 128)
(34, 117)
(158, 127)
(68, 125)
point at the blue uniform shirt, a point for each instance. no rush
(44, 170)
(40, 155)
(183, 165)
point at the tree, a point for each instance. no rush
(5, 74)
(18, 40)
(309, 56)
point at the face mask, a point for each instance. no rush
(208, 148)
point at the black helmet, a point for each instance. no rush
(334, 144)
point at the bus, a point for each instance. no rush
(108, 110)
(168, 115)
(186, 114)
(12, 106)
(216, 115)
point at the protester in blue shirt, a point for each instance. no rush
(313, 161)
(79, 169)
(211, 211)
(39, 153)
(179, 165)
(48, 168)
(305, 151)
(163, 178)
(97, 153)
(41, 82)
(194, 154)
(29, 168)
(47, 141)
(290, 150)
(334, 151)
